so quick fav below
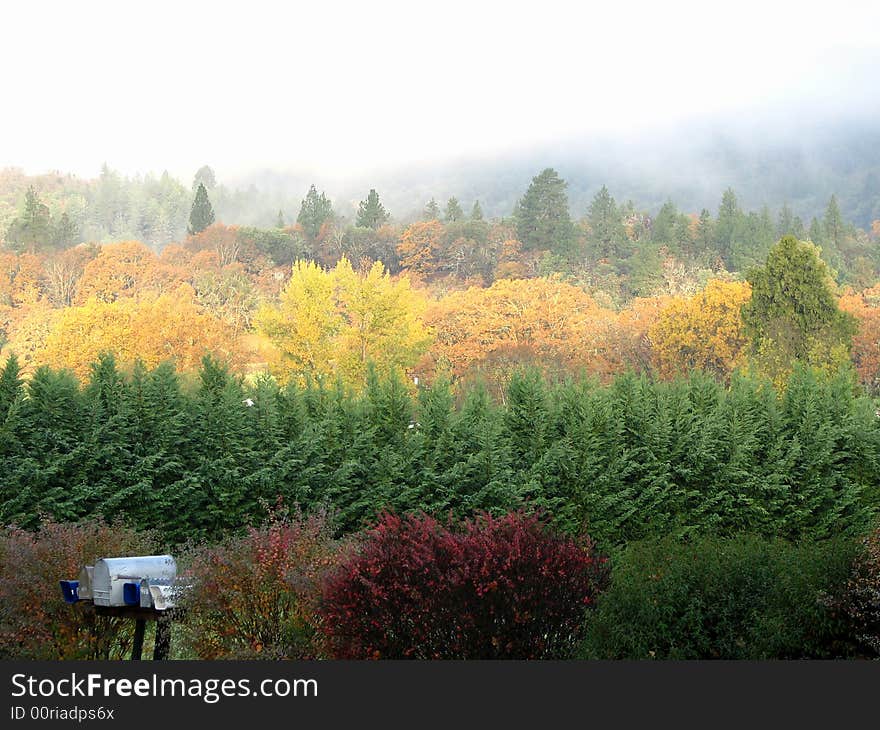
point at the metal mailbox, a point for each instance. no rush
(85, 582)
(111, 575)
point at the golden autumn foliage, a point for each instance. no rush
(21, 278)
(125, 270)
(153, 328)
(702, 332)
(510, 261)
(27, 329)
(220, 239)
(865, 307)
(544, 318)
(335, 322)
(420, 247)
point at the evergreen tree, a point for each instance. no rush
(279, 222)
(476, 211)
(834, 233)
(315, 210)
(453, 211)
(607, 235)
(664, 224)
(64, 232)
(729, 229)
(543, 221)
(793, 313)
(11, 385)
(31, 230)
(789, 224)
(371, 213)
(432, 211)
(705, 232)
(817, 233)
(202, 214)
(785, 223)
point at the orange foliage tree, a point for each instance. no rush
(865, 307)
(152, 328)
(123, 270)
(421, 247)
(221, 239)
(544, 319)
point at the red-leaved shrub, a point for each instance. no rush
(255, 596)
(497, 588)
(860, 602)
(35, 622)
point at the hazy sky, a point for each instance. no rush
(342, 87)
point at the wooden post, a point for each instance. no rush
(137, 646)
(163, 638)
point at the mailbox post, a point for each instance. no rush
(141, 588)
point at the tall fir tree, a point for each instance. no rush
(477, 211)
(64, 232)
(607, 236)
(202, 214)
(729, 227)
(31, 230)
(371, 213)
(543, 221)
(315, 210)
(432, 211)
(453, 212)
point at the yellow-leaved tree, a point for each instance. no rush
(152, 328)
(703, 332)
(334, 322)
(541, 321)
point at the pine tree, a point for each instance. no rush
(785, 223)
(432, 211)
(279, 222)
(817, 232)
(11, 385)
(31, 230)
(834, 230)
(64, 232)
(476, 211)
(705, 232)
(543, 221)
(371, 213)
(202, 214)
(663, 227)
(315, 210)
(607, 235)
(729, 228)
(453, 211)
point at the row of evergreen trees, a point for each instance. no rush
(628, 460)
(632, 241)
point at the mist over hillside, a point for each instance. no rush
(691, 165)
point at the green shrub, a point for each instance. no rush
(744, 597)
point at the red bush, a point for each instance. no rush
(860, 602)
(35, 622)
(255, 596)
(498, 588)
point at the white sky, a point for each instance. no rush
(342, 87)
